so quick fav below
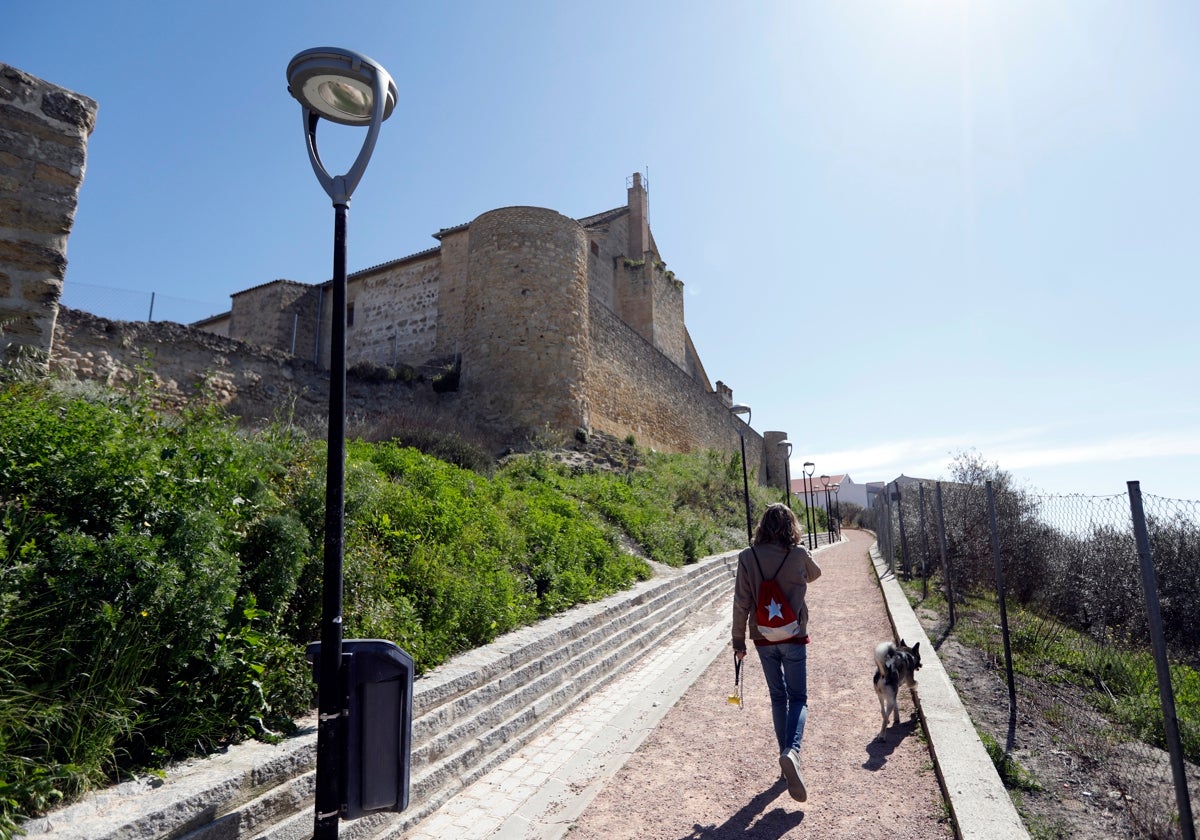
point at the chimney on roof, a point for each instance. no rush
(639, 222)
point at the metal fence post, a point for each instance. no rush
(1008, 667)
(924, 542)
(942, 547)
(891, 551)
(1165, 693)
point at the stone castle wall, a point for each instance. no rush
(44, 131)
(395, 314)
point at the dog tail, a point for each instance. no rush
(884, 652)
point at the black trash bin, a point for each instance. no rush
(376, 735)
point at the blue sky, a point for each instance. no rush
(905, 228)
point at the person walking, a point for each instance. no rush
(769, 596)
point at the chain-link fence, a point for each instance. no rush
(129, 305)
(1091, 606)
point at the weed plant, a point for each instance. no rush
(160, 574)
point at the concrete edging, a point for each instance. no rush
(978, 800)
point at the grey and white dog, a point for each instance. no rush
(895, 665)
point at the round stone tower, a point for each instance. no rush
(525, 349)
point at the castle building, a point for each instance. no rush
(547, 321)
(542, 322)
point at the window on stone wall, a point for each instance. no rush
(350, 315)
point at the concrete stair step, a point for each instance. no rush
(469, 715)
(574, 669)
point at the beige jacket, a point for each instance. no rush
(793, 576)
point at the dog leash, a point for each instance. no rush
(735, 699)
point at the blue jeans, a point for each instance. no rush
(786, 669)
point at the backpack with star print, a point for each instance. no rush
(774, 615)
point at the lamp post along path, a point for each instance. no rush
(786, 445)
(350, 89)
(809, 518)
(745, 409)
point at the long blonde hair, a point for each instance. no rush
(778, 525)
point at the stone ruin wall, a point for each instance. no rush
(659, 405)
(44, 131)
(178, 364)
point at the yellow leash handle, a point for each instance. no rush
(735, 699)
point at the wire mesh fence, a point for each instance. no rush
(129, 305)
(1098, 636)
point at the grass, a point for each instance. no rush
(1012, 774)
(1117, 680)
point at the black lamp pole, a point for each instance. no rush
(810, 521)
(828, 513)
(837, 511)
(351, 89)
(787, 472)
(745, 409)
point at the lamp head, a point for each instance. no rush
(740, 408)
(809, 467)
(340, 85)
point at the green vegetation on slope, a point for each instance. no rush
(160, 574)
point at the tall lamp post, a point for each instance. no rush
(350, 89)
(809, 520)
(736, 410)
(837, 511)
(828, 520)
(787, 472)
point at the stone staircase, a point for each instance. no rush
(469, 715)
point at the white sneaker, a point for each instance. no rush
(789, 763)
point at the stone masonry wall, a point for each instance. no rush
(669, 330)
(43, 151)
(610, 246)
(179, 364)
(451, 313)
(395, 314)
(282, 314)
(636, 390)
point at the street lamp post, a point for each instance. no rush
(350, 89)
(736, 410)
(837, 510)
(809, 520)
(787, 472)
(828, 521)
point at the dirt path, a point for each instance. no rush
(711, 771)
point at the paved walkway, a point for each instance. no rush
(542, 790)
